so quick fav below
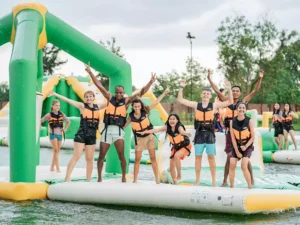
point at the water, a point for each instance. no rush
(53, 212)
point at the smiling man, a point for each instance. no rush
(231, 112)
(205, 127)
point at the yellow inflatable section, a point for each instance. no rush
(265, 119)
(49, 85)
(23, 191)
(162, 112)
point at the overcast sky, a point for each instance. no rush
(152, 33)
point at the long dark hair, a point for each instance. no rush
(144, 109)
(177, 117)
(276, 111)
(290, 108)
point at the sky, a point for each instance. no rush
(152, 33)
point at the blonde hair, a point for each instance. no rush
(89, 92)
(53, 103)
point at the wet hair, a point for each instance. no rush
(236, 86)
(276, 111)
(144, 109)
(89, 92)
(241, 103)
(207, 89)
(120, 87)
(53, 103)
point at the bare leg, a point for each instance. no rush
(103, 150)
(138, 156)
(280, 141)
(78, 148)
(154, 164)
(172, 170)
(226, 170)
(89, 157)
(245, 163)
(286, 140)
(233, 162)
(177, 157)
(292, 133)
(212, 166)
(119, 144)
(251, 172)
(57, 156)
(54, 147)
(198, 161)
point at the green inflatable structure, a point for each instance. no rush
(29, 28)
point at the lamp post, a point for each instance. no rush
(189, 36)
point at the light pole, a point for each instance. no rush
(189, 36)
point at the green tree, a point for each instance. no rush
(243, 48)
(4, 92)
(112, 46)
(51, 61)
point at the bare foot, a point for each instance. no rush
(58, 171)
(224, 185)
(214, 184)
(99, 179)
(134, 181)
(51, 169)
(157, 181)
(123, 179)
(197, 182)
(252, 182)
(250, 187)
(68, 180)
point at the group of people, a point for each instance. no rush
(282, 121)
(239, 137)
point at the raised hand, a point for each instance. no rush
(227, 84)
(183, 83)
(261, 73)
(153, 77)
(88, 68)
(208, 74)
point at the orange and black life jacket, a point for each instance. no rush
(242, 134)
(140, 125)
(286, 120)
(177, 140)
(231, 112)
(205, 118)
(115, 114)
(90, 118)
(275, 120)
(56, 120)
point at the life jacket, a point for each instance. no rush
(115, 114)
(205, 118)
(56, 120)
(275, 120)
(231, 112)
(89, 119)
(177, 140)
(286, 120)
(242, 134)
(140, 125)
